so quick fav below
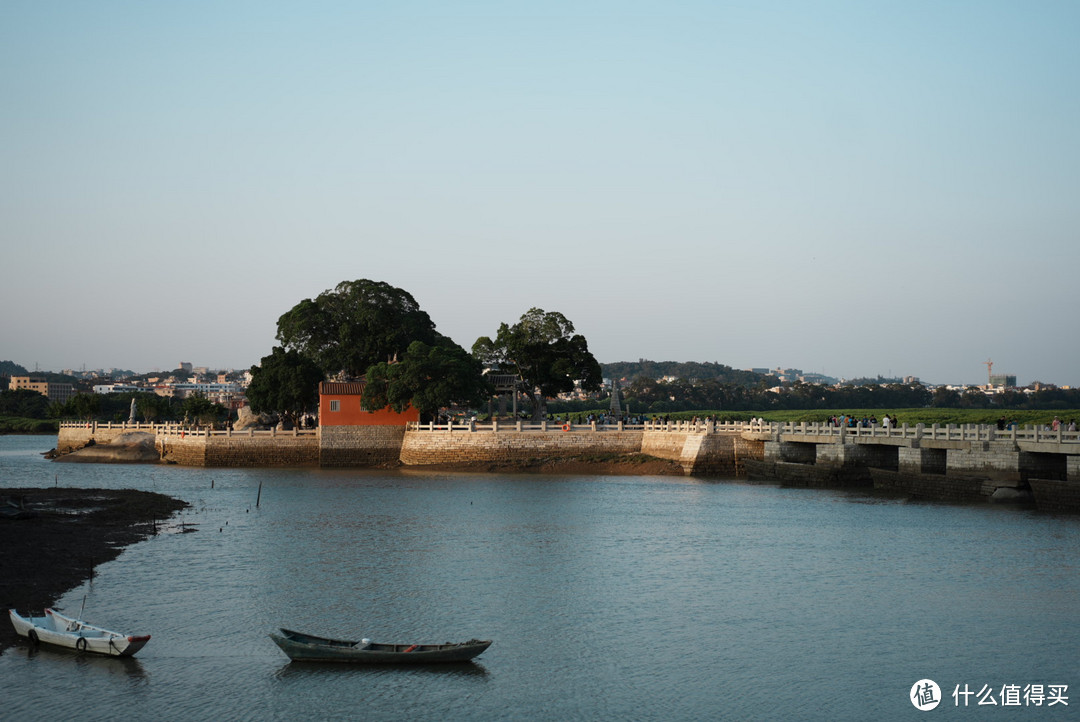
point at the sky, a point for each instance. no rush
(849, 188)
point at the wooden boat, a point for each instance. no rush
(309, 648)
(55, 628)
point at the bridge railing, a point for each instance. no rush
(943, 432)
(181, 430)
(699, 427)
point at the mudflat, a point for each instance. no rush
(51, 539)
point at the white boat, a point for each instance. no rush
(55, 628)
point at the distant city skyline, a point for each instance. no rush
(803, 371)
(851, 188)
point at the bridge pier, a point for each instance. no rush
(996, 460)
(921, 461)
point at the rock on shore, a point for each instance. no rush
(134, 447)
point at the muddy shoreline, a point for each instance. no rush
(62, 535)
(66, 533)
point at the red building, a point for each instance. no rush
(339, 405)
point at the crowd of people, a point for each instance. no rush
(866, 422)
(846, 420)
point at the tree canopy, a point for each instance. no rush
(356, 325)
(429, 377)
(286, 383)
(23, 402)
(544, 351)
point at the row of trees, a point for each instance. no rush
(27, 404)
(368, 328)
(371, 329)
(149, 407)
(646, 395)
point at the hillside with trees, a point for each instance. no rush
(10, 368)
(693, 371)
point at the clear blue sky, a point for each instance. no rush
(854, 188)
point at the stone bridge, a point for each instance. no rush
(952, 462)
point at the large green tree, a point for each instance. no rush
(544, 351)
(285, 383)
(429, 377)
(356, 325)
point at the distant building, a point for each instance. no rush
(817, 379)
(117, 389)
(56, 393)
(185, 366)
(1005, 380)
(210, 391)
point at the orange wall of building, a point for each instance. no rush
(350, 413)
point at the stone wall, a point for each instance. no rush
(239, 450)
(1055, 495)
(186, 450)
(936, 487)
(462, 447)
(815, 476)
(663, 444)
(280, 450)
(719, 454)
(345, 446)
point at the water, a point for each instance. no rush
(639, 598)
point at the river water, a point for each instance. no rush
(636, 598)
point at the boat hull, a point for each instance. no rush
(307, 648)
(62, 631)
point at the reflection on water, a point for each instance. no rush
(58, 658)
(305, 670)
(615, 598)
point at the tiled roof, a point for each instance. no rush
(341, 388)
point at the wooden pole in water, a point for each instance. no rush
(258, 497)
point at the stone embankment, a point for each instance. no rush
(697, 448)
(944, 463)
